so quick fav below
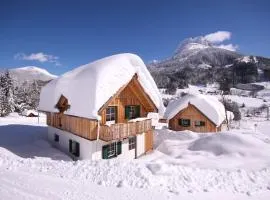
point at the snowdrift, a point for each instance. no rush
(230, 143)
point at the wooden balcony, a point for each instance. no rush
(124, 130)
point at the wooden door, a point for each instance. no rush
(149, 141)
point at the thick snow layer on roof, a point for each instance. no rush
(208, 105)
(28, 112)
(90, 86)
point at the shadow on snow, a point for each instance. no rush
(28, 142)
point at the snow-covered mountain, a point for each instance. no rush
(198, 61)
(31, 73)
(196, 52)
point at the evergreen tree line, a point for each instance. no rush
(15, 96)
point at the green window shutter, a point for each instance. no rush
(70, 146)
(119, 148)
(180, 122)
(127, 109)
(77, 149)
(105, 152)
(138, 111)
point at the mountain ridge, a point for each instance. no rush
(30, 73)
(198, 61)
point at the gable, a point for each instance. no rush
(132, 90)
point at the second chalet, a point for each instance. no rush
(196, 112)
(99, 110)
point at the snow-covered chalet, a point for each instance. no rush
(195, 112)
(99, 110)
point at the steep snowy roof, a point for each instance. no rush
(90, 86)
(208, 105)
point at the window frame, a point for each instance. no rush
(74, 148)
(132, 112)
(201, 123)
(56, 138)
(182, 120)
(111, 116)
(131, 143)
(112, 150)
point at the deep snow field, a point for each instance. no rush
(184, 165)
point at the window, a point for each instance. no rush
(74, 148)
(199, 123)
(131, 143)
(184, 122)
(132, 112)
(56, 138)
(111, 150)
(111, 113)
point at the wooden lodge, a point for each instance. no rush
(123, 128)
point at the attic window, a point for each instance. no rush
(62, 104)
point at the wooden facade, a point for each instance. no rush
(195, 116)
(131, 94)
(79, 126)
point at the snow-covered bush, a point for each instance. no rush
(234, 108)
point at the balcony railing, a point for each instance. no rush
(124, 130)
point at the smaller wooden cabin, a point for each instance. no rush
(30, 113)
(197, 113)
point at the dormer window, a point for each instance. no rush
(62, 104)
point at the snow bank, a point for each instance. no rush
(230, 143)
(208, 105)
(242, 167)
(88, 87)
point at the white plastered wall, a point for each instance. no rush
(89, 149)
(140, 142)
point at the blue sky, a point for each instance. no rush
(60, 35)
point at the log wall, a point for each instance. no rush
(192, 113)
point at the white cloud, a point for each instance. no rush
(40, 57)
(229, 47)
(218, 36)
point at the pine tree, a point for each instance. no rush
(34, 95)
(7, 103)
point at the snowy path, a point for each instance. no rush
(31, 169)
